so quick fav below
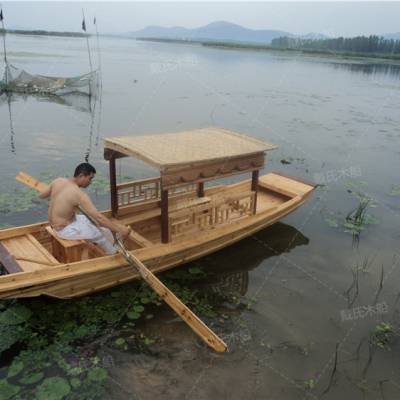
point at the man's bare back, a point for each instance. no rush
(65, 197)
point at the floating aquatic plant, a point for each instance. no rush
(356, 184)
(382, 335)
(58, 339)
(20, 199)
(357, 219)
(23, 199)
(395, 190)
(332, 222)
(5, 226)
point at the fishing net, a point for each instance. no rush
(20, 81)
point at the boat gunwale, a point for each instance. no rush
(22, 280)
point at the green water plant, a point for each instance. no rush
(20, 199)
(358, 218)
(8, 390)
(309, 384)
(56, 343)
(355, 184)
(382, 335)
(395, 191)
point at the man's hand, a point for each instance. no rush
(125, 231)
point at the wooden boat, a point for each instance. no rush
(174, 217)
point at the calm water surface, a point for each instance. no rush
(336, 122)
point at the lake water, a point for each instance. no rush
(316, 293)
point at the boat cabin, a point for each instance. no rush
(185, 160)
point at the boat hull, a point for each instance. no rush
(81, 278)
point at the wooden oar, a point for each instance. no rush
(197, 325)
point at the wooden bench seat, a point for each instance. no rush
(67, 251)
(25, 254)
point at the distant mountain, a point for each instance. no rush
(394, 36)
(218, 31)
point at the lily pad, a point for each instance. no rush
(148, 341)
(144, 300)
(9, 335)
(97, 374)
(15, 368)
(8, 391)
(15, 315)
(133, 315)
(332, 222)
(75, 382)
(195, 270)
(120, 342)
(54, 388)
(139, 308)
(32, 378)
(356, 184)
(395, 190)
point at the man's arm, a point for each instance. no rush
(88, 206)
(44, 194)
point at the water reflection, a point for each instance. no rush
(77, 101)
(228, 270)
(370, 69)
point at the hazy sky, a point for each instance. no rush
(330, 18)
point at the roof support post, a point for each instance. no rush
(200, 189)
(254, 187)
(164, 216)
(113, 186)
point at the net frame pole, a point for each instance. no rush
(88, 49)
(5, 48)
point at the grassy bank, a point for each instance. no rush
(42, 33)
(261, 47)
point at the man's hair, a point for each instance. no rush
(84, 169)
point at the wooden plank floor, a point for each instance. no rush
(29, 253)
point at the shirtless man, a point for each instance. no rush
(65, 198)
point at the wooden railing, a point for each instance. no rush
(217, 212)
(138, 191)
(146, 189)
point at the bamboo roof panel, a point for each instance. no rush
(197, 146)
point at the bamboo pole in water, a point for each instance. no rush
(88, 47)
(4, 46)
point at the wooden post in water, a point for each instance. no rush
(254, 187)
(164, 216)
(113, 187)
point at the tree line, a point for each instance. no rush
(359, 44)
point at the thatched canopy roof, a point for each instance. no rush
(198, 154)
(187, 147)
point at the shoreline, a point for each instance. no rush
(259, 47)
(42, 33)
